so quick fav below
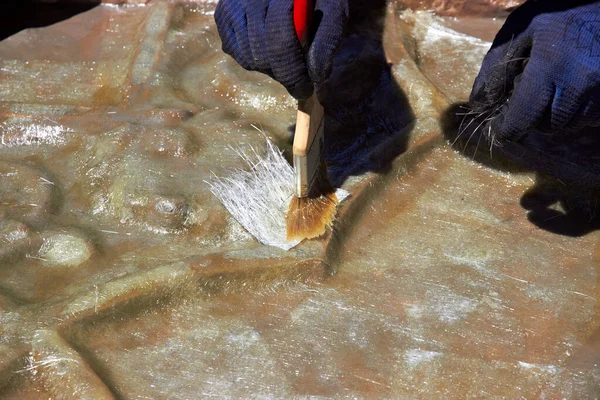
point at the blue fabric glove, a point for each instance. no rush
(260, 36)
(542, 74)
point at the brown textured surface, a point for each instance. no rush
(121, 276)
(489, 8)
(442, 7)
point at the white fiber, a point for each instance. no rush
(258, 198)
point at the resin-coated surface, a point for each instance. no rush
(122, 276)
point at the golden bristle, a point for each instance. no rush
(309, 217)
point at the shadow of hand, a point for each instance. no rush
(560, 211)
(567, 207)
(367, 114)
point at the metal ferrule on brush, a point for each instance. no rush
(308, 144)
(306, 168)
(300, 171)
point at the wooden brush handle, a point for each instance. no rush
(310, 111)
(309, 118)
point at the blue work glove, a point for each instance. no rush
(260, 36)
(542, 74)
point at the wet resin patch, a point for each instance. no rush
(122, 275)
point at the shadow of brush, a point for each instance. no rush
(367, 114)
(565, 198)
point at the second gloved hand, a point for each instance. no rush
(542, 74)
(260, 36)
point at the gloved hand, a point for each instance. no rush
(260, 36)
(542, 73)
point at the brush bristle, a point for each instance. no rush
(257, 196)
(309, 217)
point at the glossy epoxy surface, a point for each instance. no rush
(122, 276)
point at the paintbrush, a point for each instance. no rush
(280, 205)
(313, 206)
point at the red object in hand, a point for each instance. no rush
(303, 10)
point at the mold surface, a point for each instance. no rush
(122, 276)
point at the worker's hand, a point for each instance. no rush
(542, 73)
(260, 36)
